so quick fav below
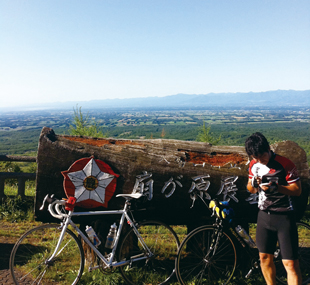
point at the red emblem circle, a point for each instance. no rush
(91, 181)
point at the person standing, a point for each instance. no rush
(276, 180)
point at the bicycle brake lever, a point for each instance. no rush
(193, 197)
(47, 199)
(213, 212)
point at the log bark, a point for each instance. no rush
(175, 165)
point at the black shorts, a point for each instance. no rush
(273, 227)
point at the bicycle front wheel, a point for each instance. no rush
(303, 256)
(163, 243)
(30, 264)
(199, 262)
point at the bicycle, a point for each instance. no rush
(53, 254)
(209, 254)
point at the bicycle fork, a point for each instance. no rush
(216, 236)
(57, 250)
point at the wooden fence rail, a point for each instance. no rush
(20, 176)
(18, 158)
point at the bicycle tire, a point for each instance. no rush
(303, 256)
(28, 258)
(162, 241)
(194, 266)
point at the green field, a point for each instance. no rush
(19, 132)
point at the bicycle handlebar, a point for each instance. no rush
(54, 206)
(57, 212)
(48, 200)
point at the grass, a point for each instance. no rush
(11, 189)
(17, 209)
(99, 278)
(161, 242)
(37, 246)
(13, 208)
(13, 231)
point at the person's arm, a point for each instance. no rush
(293, 189)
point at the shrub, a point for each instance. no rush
(16, 209)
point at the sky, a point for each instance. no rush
(81, 50)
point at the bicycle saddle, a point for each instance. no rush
(130, 196)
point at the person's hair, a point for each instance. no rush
(256, 145)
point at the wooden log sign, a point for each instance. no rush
(169, 172)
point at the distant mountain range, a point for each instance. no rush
(272, 99)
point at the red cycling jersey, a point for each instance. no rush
(279, 169)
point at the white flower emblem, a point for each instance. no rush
(90, 182)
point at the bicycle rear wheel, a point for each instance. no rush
(163, 243)
(303, 255)
(198, 263)
(29, 258)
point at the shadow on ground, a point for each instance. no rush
(5, 249)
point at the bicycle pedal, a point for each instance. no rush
(248, 274)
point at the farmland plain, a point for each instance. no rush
(19, 131)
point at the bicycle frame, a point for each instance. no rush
(247, 248)
(229, 229)
(108, 261)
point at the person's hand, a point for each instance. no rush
(270, 187)
(256, 181)
(265, 187)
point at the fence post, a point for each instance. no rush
(2, 179)
(21, 186)
(21, 177)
